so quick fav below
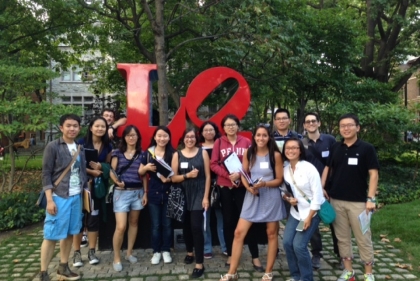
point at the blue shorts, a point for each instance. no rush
(68, 219)
(127, 200)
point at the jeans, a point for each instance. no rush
(193, 234)
(207, 233)
(161, 228)
(295, 245)
(316, 243)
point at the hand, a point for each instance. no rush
(326, 194)
(253, 191)
(150, 167)
(293, 201)
(205, 204)
(307, 223)
(120, 184)
(234, 177)
(259, 184)
(193, 174)
(144, 199)
(95, 173)
(165, 180)
(111, 133)
(370, 207)
(51, 208)
(95, 165)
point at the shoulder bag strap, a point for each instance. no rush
(300, 190)
(57, 182)
(125, 168)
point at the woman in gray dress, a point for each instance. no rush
(191, 167)
(262, 202)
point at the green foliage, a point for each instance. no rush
(397, 184)
(18, 210)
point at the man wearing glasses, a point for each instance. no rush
(282, 123)
(351, 164)
(319, 145)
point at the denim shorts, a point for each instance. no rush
(68, 219)
(127, 200)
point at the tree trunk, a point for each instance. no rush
(161, 62)
(12, 168)
(367, 61)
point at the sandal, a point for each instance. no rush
(229, 277)
(268, 276)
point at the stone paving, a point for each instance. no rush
(19, 260)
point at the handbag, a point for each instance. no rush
(110, 195)
(176, 203)
(41, 202)
(215, 197)
(326, 212)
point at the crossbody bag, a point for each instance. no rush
(42, 199)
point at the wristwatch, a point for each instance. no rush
(111, 127)
(371, 199)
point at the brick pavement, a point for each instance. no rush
(19, 260)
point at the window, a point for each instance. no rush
(66, 99)
(88, 99)
(66, 76)
(77, 99)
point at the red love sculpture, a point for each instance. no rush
(138, 100)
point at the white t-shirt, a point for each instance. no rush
(74, 184)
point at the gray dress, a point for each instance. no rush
(269, 206)
(194, 189)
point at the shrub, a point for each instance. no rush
(397, 184)
(18, 209)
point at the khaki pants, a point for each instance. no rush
(347, 222)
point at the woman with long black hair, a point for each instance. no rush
(160, 148)
(262, 203)
(96, 138)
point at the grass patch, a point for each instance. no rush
(33, 163)
(401, 221)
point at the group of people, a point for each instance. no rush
(309, 169)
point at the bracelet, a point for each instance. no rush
(185, 176)
(371, 199)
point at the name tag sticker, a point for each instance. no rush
(325, 153)
(264, 165)
(352, 161)
(184, 165)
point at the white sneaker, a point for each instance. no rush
(156, 258)
(167, 257)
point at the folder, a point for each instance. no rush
(87, 200)
(232, 163)
(91, 155)
(163, 168)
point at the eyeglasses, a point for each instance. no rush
(191, 138)
(292, 148)
(208, 130)
(313, 121)
(231, 125)
(282, 119)
(345, 126)
(131, 136)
